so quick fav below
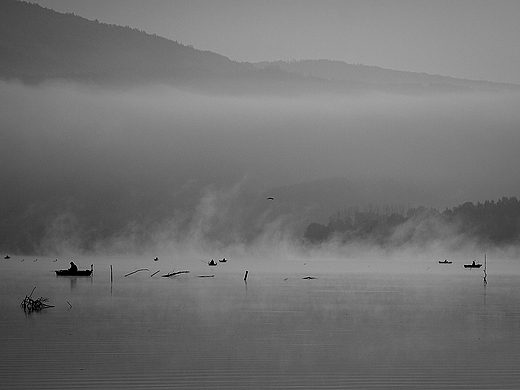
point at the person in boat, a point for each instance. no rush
(212, 262)
(473, 264)
(73, 267)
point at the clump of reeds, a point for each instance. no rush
(30, 305)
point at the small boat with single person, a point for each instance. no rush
(223, 260)
(74, 271)
(473, 265)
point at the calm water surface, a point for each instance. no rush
(339, 331)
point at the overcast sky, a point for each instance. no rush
(470, 39)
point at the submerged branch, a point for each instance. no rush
(137, 270)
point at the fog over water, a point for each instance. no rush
(139, 168)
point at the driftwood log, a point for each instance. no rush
(175, 273)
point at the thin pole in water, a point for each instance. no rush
(111, 275)
(485, 269)
(245, 276)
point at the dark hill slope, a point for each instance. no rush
(38, 43)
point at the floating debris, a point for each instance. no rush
(309, 277)
(156, 259)
(205, 276)
(156, 272)
(7, 257)
(30, 305)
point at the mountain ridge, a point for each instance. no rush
(340, 70)
(38, 43)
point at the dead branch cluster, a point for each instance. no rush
(30, 305)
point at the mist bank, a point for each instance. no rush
(90, 169)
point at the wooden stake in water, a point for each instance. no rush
(245, 276)
(111, 275)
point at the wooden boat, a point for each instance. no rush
(224, 260)
(79, 272)
(472, 265)
(445, 262)
(212, 262)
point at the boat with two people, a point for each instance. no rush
(74, 271)
(445, 261)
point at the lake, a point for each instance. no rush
(435, 327)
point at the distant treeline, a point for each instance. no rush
(489, 223)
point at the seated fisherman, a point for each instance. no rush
(73, 267)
